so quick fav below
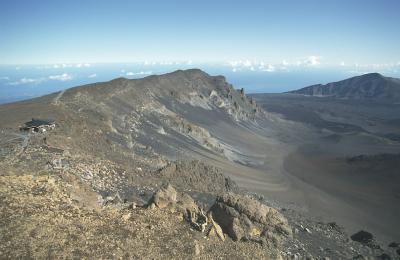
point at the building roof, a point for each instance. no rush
(39, 122)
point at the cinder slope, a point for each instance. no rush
(356, 195)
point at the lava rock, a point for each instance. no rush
(242, 217)
(165, 197)
(168, 197)
(363, 237)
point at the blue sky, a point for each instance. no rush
(259, 45)
(325, 33)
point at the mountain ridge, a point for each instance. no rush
(371, 86)
(175, 107)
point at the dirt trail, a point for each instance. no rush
(57, 98)
(24, 137)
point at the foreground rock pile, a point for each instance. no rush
(238, 216)
(42, 217)
(246, 218)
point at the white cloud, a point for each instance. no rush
(240, 63)
(17, 68)
(27, 81)
(4, 78)
(130, 73)
(270, 68)
(234, 63)
(313, 60)
(92, 75)
(55, 66)
(266, 67)
(306, 63)
(247, 63)
(61, 77)
(252, 66)
(81, 65)
(284, 65)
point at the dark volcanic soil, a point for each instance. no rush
(351, 163)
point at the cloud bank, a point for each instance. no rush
(130, 73)
(24, 80)
(61, 77)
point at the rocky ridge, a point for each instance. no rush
(371, 86)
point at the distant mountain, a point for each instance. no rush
(367, 86)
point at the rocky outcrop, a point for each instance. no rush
(214, 92)
(193, 131)
(242, 217)
(215, 230)
(168, 197)
(198, 176)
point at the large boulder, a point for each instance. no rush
(242, 217)
(168, 198)
(215, 230)
(365, 238)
